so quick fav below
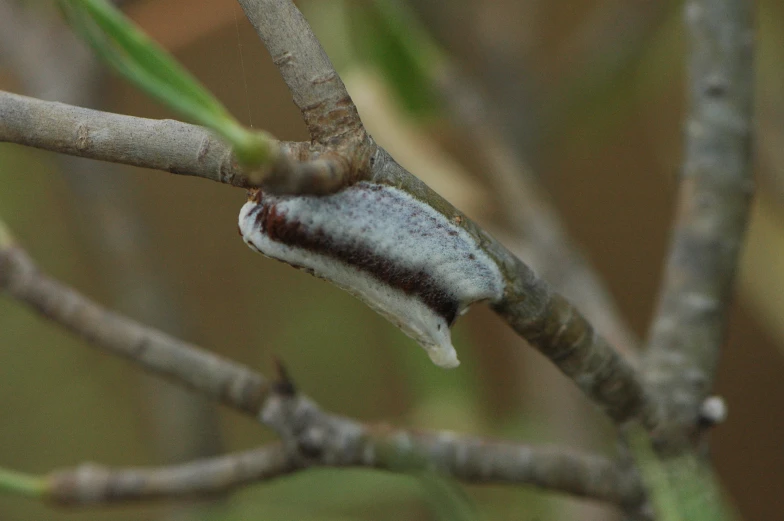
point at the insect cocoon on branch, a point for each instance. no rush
(395, 253)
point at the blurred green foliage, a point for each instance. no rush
(385, 35)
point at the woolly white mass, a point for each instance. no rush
(391, 225)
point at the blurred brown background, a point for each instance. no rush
(593, 92)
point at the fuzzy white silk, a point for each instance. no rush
(411, 240)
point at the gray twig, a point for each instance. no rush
(166, 145)
(713, 205)
(317, 88)
(92, 484)
(158, 352)
(470, 460)
(544, 318)
(311, 436)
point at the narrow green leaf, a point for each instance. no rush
(18, 483)
(654, 475)
(385, 37)
(141, 61)
(412, 35)
(145, 51)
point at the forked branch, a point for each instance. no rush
(92, 484)
(166, 145)
(547, 468)
(312, 437)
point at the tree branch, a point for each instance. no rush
(540, 316)
(158, 352)
(545, 319)
(92, 484)
(166, 145)
(467, 459)
(317, 88)
(311, 436)
(713, 207)
(325, 439)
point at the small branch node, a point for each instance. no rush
(713, 411)
(283, 59)
(325, 78)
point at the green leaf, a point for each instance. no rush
(390, 38)
(142, 62)
(18, 483)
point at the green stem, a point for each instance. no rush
(654, 476)
(24, 484)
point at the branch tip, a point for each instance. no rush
(14, 482)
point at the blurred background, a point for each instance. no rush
(588, 94)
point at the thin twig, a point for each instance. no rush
(315, 85)
(311, 436)
(92, 484)
(544, 318)
(216, 377)
(317, 88)
(325, 439)
(166, 145)
(471, 460)
(713, 207)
